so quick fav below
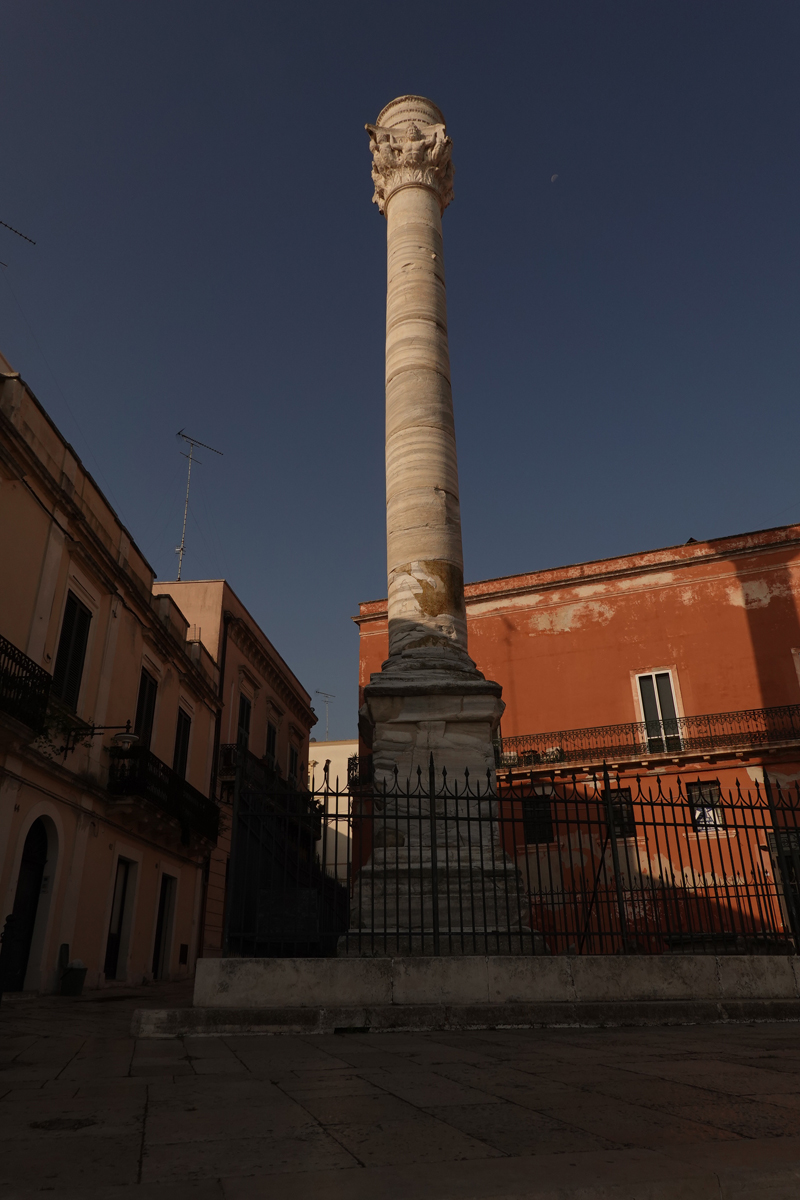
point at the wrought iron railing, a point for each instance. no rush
(552, 866)
(359, 770)
(260, 775)
(748, 729)
(24, 687)
(135, 771)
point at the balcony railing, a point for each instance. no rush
(135, 771)
(24, 687)
(259, 776)
(359, 771)
(714, 733)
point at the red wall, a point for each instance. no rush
(567, 644)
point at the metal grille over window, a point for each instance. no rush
(537, 820)
(623, 812)
(705, 800)
(71, 653)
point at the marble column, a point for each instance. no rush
(429, 696)
(437, 879)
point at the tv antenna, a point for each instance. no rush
(191, 442)
(24, 236)
(326, 699)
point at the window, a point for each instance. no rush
(661, 719)
(243, 730)
(537, 820)
(293, 762)
(163, 943)
(145, 709)
(181, 754)
(272, 740)
(71, 652)
(622, 811)
(705, 802)
(119, 913)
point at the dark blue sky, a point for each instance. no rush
(624, 341)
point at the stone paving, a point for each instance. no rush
(633, 1114)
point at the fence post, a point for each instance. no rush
(434, 853)
(623, 922)
(232, 864)
(786, 887)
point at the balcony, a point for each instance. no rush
(134, 771)
(752, 730)
(359, 771)
(259, 779)
(24, 687)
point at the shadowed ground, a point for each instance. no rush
(633, 1114)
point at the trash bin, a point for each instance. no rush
(72, 978)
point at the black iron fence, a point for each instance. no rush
(135, 771)
(24, 687)
(519, 867)
(748, 729)
(280, 899)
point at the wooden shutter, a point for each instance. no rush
(243, 733)
(181, 755)
(71, 653)
(145, 709)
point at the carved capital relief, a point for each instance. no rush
(417, 155)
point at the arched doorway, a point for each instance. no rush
(18, 931)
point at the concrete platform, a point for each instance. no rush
(430, 1018)
(472, 980)
(318, 996)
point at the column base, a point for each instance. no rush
(415, 713)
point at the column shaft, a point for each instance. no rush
(423, 519)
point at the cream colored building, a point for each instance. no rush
(104, 835)
(265, 712)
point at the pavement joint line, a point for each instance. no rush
(144, 1133)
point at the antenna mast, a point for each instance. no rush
(191, 442)
(326, 699)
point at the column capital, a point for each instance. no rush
(416, 155)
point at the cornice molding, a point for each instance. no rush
(609, 574)
(243, 637)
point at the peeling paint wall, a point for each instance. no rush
(566, 644)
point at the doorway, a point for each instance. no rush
(20, 923)
(166, 908)
(119, 911)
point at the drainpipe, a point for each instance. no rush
(227, 617)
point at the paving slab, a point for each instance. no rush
(58, 1158)
(514, 1131)
(204, 1093)
(604, 1175)
(307, 1149)
(51, 1118)
(279, 1119)
(359, 1110)
(423, 1138)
